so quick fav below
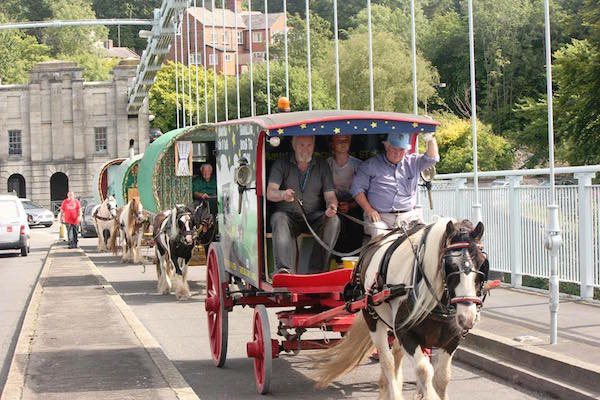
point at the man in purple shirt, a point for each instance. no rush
(385, 186)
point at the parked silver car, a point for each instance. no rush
(14, 229)
(38, 215)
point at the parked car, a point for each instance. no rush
(86, 225)
(14, 229)
(37, 215)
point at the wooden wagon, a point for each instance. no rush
(240, 265)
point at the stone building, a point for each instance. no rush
(57, 130)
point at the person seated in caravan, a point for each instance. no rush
(343, 168)
(385, 186)
(204, 187)
(302, 177)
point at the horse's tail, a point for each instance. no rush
(346, 355)
(112, 246)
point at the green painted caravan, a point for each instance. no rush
(159, 186)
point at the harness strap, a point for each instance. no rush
(385, 261)
(96, 216)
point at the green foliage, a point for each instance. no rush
(298, 90)
(73, 40)
(18, 54)
(95, 68)
(577, 72)
(454, 138)
(162, 98)
(320, 41)
(134, 9)
(392, 70)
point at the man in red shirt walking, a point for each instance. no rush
(71, 215)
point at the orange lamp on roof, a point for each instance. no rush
(283, 104)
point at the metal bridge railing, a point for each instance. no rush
(515, 221)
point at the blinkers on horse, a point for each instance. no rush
(464, 255)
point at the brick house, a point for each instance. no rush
(220, 41)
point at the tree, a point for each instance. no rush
(127, 9)
(320, 41)
(577, 69)
(162, 98)
(455, 143)
(18, 54)
(392, 70)
(73, 40)
(321, 98)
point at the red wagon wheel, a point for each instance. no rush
(214, 305)
(260, 349)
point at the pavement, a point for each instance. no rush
(81, 340)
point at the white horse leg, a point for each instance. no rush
(424, 373)
(398, 357)
(388, 385)
(183, 292)
(442, 373)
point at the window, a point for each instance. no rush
(195, 59)
(215, 37)
(227, 57)
(212, 59)
(257, 37)
(100, 135)
(14, 143)
(259, 55)
(226, 37)
(240, 37)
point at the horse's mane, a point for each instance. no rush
(425, 301)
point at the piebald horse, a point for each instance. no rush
(174, 242)
(447, 269)
(133, 222)
(105, 219)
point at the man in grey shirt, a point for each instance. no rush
(310, 181)
(385, 186)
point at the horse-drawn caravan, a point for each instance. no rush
(166, 170)
(103, 178)
(240, 264)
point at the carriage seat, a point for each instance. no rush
(332, 279)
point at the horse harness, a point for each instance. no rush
(445, 307)
(96, 216)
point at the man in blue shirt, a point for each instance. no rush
(385, 186)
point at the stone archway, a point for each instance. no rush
(16, 183)
(59, 186)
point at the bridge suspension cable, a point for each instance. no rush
(337, 55)
(285, 49)
(237, 60)
(308, 67)
(223, 67)
(267, 40)
(176, 75)
(182, 70)
(252, 108)
(214, 60)
(189, 65)
(204, 63)
(196, 65)
(370, 34)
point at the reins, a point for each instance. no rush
(325, 245)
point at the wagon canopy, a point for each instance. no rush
(117, 180)
(159, 186)
(349, 122)
(102, 178)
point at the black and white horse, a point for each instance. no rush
(174, 242)
(453, 270)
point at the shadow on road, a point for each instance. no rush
(286, 383)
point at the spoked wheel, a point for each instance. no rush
(217, 315)
(260, 349)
